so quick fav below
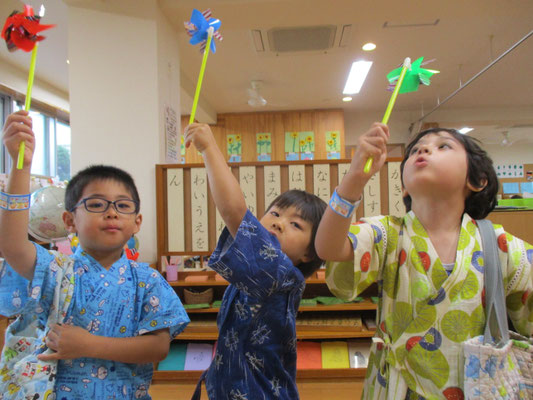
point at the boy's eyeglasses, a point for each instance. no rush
(97, 205)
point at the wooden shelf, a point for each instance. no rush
(209, 332)
(302, 374)
(211, 278)
(361, 306)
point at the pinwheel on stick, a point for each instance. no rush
(202, 28)
(21, 31)
(404, 79)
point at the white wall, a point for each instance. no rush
(117, 88)
(16, 79)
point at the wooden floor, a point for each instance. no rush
(309, 390)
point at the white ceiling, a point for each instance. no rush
(462, 36)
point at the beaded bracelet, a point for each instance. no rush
(14, 202)
(343, 207)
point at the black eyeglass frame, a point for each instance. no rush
(109, 202)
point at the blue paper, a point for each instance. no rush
(175, 360)
(292, 157)
(510, 187)
(526, 187)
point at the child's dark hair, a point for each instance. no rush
(98, 173)
(312, 208)
(480, 169)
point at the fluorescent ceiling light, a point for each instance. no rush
(347, 98)
(357, 77)
(465, 130)
(369, 46)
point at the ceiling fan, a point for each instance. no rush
(255, 99)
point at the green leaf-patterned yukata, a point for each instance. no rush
(423, 314)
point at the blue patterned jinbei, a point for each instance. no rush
(256, 351)
(127, 300)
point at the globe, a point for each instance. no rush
(46, 211)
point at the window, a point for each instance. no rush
(52, 141)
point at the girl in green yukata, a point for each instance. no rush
(428, 265)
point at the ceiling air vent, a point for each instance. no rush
(307, 38)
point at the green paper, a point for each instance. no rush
(374, 299)
(333, 141)
(234, 144)
(216, 304)
(308, 302)
(194, 306)
(291, 142)
(413, 77)
(329, 301)
(307, 142)
(264, 143)
(182, 145)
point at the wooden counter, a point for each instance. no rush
(517, 222)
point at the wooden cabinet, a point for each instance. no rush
(203, 322)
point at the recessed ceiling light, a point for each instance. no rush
(465, 130)
(369, 46)
(357, 77)
(68, 61)
(347, 98)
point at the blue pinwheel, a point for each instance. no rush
(197, 28)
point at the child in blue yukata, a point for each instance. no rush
(266, 263)
(89, 325)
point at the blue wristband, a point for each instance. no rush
(14, 202)
(341, 206)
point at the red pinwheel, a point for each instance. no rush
(21, 30)
(197, 28)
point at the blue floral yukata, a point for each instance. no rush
(255, 356)
(127, 300)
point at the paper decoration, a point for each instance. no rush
(247, 180)
(264, 146)
(198, 27)
(333, 141)
(414, 76)
(510, 187)
(321, 181)
(175, 204)
(171, 134)
(21, 30)
(199, 220)
(292, 146)
(372, 197)
(396, 206)
(335, 355)
(175, 360)
(234, 146)
(509, 170)
(333, 145)
(307, 145)
(297, 177)
(272, 181)
(526, 187)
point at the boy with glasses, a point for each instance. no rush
(89, 325)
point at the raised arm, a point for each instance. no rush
(331, 241)
(17, 250)
(225, 189)
(70, 342)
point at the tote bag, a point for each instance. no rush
(499, 363)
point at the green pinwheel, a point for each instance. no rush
(413, 77)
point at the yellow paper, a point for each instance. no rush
(335, 355)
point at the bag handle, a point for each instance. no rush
(496, 326)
